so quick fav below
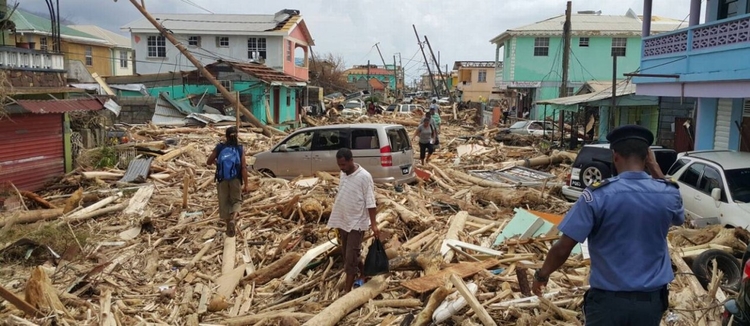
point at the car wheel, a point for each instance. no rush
(593, 172)
(703, 267)
(267, 173)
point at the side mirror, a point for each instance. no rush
(282, 148)
(716, 194)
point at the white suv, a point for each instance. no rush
(715, 187)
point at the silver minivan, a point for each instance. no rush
(384, 150)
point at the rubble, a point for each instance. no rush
(152, 251)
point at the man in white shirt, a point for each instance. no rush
(353, 213)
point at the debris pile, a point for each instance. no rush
(140, 241)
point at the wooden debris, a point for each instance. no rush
(331, 315)
(483, 315)
(430, 282)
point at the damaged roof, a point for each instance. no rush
(60, 106)
(227, 24)
(258, 71)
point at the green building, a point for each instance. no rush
(532, 54)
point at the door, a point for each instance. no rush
(326, 143)
(723, 123)
(691, 196)
(276, 105)
(706, 205)
(296, 160)
(745, 128)
(683, 135)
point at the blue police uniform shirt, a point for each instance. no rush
(626, 222)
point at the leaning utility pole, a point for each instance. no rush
(395, 78)
(437, 64)
(231, 98)
(426, 62)
(369, 87)
(401, 74)
(565, 63)
(385, 66)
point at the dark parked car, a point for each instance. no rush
(594, 163)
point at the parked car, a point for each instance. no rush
(384, 150)
(444, 101)
(354, 107)
(407, 100)
(404, 108)
(594, 163)
(737, 310)
(528, 127)
(715, 187)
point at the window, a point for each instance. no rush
(289, 51)
(156, 47)
(583, 42)
(398, 139)
(330, 140)
(507, 49)
(43, 43)
(227, 84)
(194, 41)
(123, 59)
(728, 8)
(712, 179)
(482, 78)
(365, 139)
(541, 46)
(222, 42)
(288, 98)
(618, 46)
(570, 91)
(692, 174)
(89, 54)
(677, 166)
(300, 142)
(739, 184)
(256, 48)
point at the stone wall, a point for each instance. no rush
(28, 78)
(669, 109)
(136, 110)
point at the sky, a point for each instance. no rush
(457, 29)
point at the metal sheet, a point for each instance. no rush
(61, 106)
(138, 170)
(31, 150)
(166, 115)
(514, 175)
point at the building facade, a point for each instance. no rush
(121, 53)
(476, 79)
(34, 32)
(532, 54)
(706, 62)
(280, 41)
(384, 75)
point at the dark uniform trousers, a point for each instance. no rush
(625, 308)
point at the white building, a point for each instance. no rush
(280, 41)
(121, 53)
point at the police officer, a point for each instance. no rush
(625, 219)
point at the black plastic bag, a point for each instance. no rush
(376, 262)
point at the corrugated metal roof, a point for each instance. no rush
(138, 170)
(210, 23)
(595, 86)
(60, 106)
(107, 35)
(31, 150)
(623, 89)
(592, 24)
(28, 22)
(261, 72)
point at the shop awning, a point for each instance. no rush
(623, 89)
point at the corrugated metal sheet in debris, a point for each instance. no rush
(31, 150)
(138, 170)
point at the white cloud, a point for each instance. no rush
(459, 29)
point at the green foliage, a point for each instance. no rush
(374, 99)
(105, 157)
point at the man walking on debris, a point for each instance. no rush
(353, 213)
(229, 158)
(625, 219)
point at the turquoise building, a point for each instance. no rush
(386, 76)
(532, 54)
(707, 62)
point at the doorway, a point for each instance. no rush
(276, 105)
(745, 135)
(683, 135)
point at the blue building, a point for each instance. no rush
(708, 62)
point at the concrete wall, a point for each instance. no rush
(474, 89)
(136, 110)
(671, 108)
(207, 53)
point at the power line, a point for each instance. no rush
(197, 6)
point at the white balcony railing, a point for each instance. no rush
(18, 58)
(713, 35)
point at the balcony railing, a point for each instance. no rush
(706, 36)
(26, 59)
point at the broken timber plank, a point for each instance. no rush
(229, 281)
(308, 257)
(430, 282)
(458, 222)
(332, 314)
(19, 303)
(137, 203)
(482, 313)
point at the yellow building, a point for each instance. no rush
(475, 79)
(33, 32)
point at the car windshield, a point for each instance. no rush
(739, 184)
(518, 125)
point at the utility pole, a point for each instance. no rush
(369, 87)
(395, 78)
(437, 64)
(401, 74)
(231, 98)
(565, 63)
(385, 66)
(427, 62)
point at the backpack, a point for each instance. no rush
(228, 163)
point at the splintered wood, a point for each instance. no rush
(156, 252)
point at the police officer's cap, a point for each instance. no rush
(630, 132)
